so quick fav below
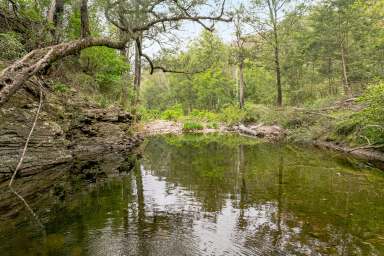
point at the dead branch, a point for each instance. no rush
(22, 159)
(367, 147)
(313, 112)
(165, 70)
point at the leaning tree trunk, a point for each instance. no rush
(13, 77)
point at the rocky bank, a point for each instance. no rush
(70, 137)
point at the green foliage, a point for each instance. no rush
(192, 126)
(256, 112)
(372, 117)
(212, 126)
(10, 46)
(232, 115)
(105, 64)
(106, 68)
(149, 114)
(210, 88)
(204, 115)
(60, 87)
(347, 126)
(374, 99)
(174, 113)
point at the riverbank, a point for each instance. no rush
(67, 129)
(300, 133)
(74, 136)
(188, 189)
(73, 140)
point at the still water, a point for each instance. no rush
(215, 195)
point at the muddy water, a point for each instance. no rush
(214, 195)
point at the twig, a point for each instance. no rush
(22, 159)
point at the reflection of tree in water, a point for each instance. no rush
(300, 195)
(277, 236)
(202, 168)
(242, 222)
(256, 199)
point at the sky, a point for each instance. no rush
(225, 30)
(191, 30)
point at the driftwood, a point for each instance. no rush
(270, 132)
(243, 129)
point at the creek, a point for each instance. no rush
(212, 195)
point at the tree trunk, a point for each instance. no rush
(272, 5)
(13, 77)
(278, 78)
(126, 75)
(241, 84)
(84, 18)
(137, 79)
(346, 85)
(55, 16)
(329, 74)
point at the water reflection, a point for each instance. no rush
(201, 195)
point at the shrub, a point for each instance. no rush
(60, 87)
(347, 126)
(173, 113)
(212, 126)
(204, 115)
(149, 114)
(372, 117)
(191, 126)
(106, 67)
(232, 115)
(256, 112)
(374, 99)
(10, 46)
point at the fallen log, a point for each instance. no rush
(243, 129)
(373, 156)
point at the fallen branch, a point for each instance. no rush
(367, 147)
(312, 112)
(22, 159)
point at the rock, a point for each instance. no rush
(62, 134)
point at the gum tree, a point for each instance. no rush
(158, 15)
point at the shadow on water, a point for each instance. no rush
(212, 195)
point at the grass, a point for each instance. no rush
(192, 126)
